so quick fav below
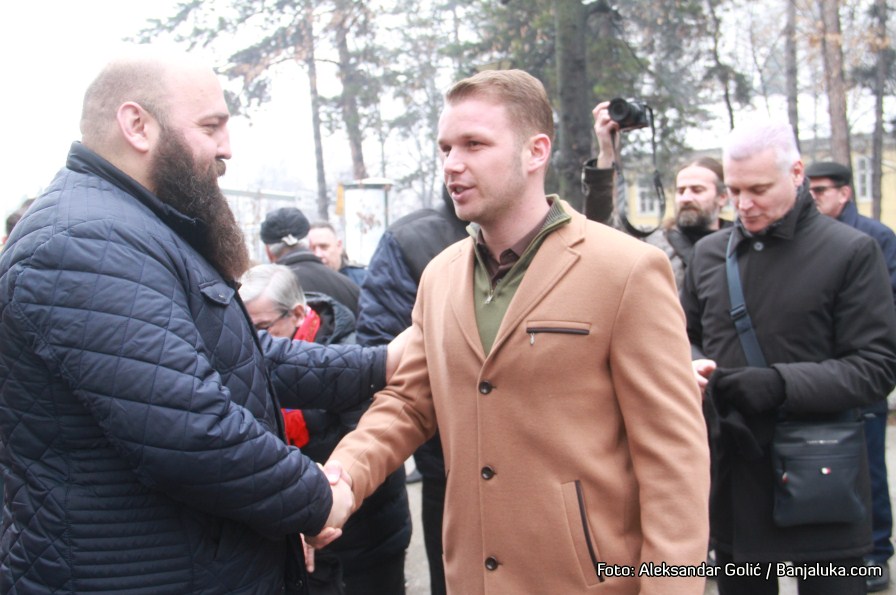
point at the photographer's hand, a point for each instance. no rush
(606, 130)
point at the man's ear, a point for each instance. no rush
(299, 312)
(796, 173)
(539, 152)
(137, 126)
(847, 192)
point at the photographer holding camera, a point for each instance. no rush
(700, 192)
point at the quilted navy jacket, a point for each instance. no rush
(141, 433)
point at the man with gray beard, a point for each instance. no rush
(142, 439)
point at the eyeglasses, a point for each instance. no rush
(263, 326)
(816, 190)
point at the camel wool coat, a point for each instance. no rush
(576, 450)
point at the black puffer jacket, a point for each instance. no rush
(141, 439)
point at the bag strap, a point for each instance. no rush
(738, 312)
(744, 324)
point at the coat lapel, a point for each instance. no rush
(460, 275)
(552, 261)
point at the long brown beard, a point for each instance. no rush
(183, 185)
(693, 219)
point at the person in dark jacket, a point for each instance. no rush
(142, 441)
(369, 557)
(830, 184)
(326, 245)
(284, 232)
(822, 309)
(387, 299)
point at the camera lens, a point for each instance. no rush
(620, 110)
(628, 114)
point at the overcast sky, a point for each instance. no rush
(51, 51)
(53, 48)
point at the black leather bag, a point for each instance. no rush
(817, 467)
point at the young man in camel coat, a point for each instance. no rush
(551, 353)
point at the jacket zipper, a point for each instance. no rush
(532, 330)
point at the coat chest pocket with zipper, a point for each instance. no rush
(534, 328)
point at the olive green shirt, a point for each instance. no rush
(492, 295)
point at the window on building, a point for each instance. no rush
(862, 179)
(648, 202)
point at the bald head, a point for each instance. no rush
(147, 77)
(140, 101)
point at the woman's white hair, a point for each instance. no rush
(754, 137)
(274, 281)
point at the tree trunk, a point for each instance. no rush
(323, 199)
(720, 67)
(832, 50)
(349, 100)
(574, 136)
(790, 67)
(881, 46)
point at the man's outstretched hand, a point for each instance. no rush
(343, 505)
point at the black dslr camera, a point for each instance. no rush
(628, 114)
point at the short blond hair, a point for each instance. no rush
(521, 93)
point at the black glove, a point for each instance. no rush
(749, 390)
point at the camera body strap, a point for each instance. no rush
(621, 192)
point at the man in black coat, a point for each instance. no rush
(283, 232)
(819, 297)
(830, 184)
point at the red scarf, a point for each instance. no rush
(296, 430)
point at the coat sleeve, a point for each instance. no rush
(661, 410)
(400, 419)
(863, 369)
(597, 185)
(387, 296)
(107, 311)
(333, 377)
(887, 241)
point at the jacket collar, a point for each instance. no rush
(850, 214)
(785, 228)
(83, 160)
(555, 257)
(299, 254)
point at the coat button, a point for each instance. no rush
(491, 563)
(485, 387)
(487, 473)
(758, 246)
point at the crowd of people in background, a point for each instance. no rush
(177, 419)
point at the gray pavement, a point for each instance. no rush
(417, 568)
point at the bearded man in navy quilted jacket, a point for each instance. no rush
(139, 411)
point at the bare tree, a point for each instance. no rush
(790, 69)
(884, 53)
(351, 18)
(574, 138)
(323, 200)
(835, 83)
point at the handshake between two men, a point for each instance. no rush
(343, 506)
